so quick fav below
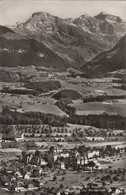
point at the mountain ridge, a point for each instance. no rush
(108, 61)
(75, 40)
(16, 50)
(69, 42)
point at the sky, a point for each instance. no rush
(12, 11)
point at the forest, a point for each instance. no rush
(43, 87)
(100, 121)
(102, 98)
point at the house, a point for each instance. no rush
(56, 156)
(41, 184)
(29, 157)
(57, 139)
(60, 154)
(77, 154)
(86, 161)
(116, 191)
(95, 138)
(57, 134)
(92, 154)
(57, 149)
(51, 76)
(80, 161)
(119, 191)
(40, 171)
(43, 162)
(96, 153)
(20, 189)
(27, 176)
(65, 155)
(19, 137)
(1, 137)
(62, 165)
(18, 174)
(122, 150)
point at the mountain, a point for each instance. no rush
(77, 40)
(4, 30)
(16, 49)
(108, 61)
(108, 17)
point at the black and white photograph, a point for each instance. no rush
(62, 97)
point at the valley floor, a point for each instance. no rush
(66, 137)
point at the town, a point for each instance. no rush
(48, 163)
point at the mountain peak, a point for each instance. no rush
(106, 16)
(41, 14)
(104, 13)
(75, 40)
(85, 16)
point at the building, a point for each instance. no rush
(62, 165)
(59, 139)
(60, 154)
(43, 162)
(92, 154)
(95, 138)
(19, 137)
(60, 134)
(27, 176)
(1, 137)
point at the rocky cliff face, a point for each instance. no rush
(108, 61)
(77, 40)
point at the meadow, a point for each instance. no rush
(30, 103)
(99, 108)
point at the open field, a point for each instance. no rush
(30, 103)
(52, 109)
(114, 161)
(79, 179)
(92, 87)
(99, 108)
(28, 70)
(85, 87)
(116, 144)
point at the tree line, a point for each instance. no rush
(8, 117)
(100, 121)
(102, 98)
